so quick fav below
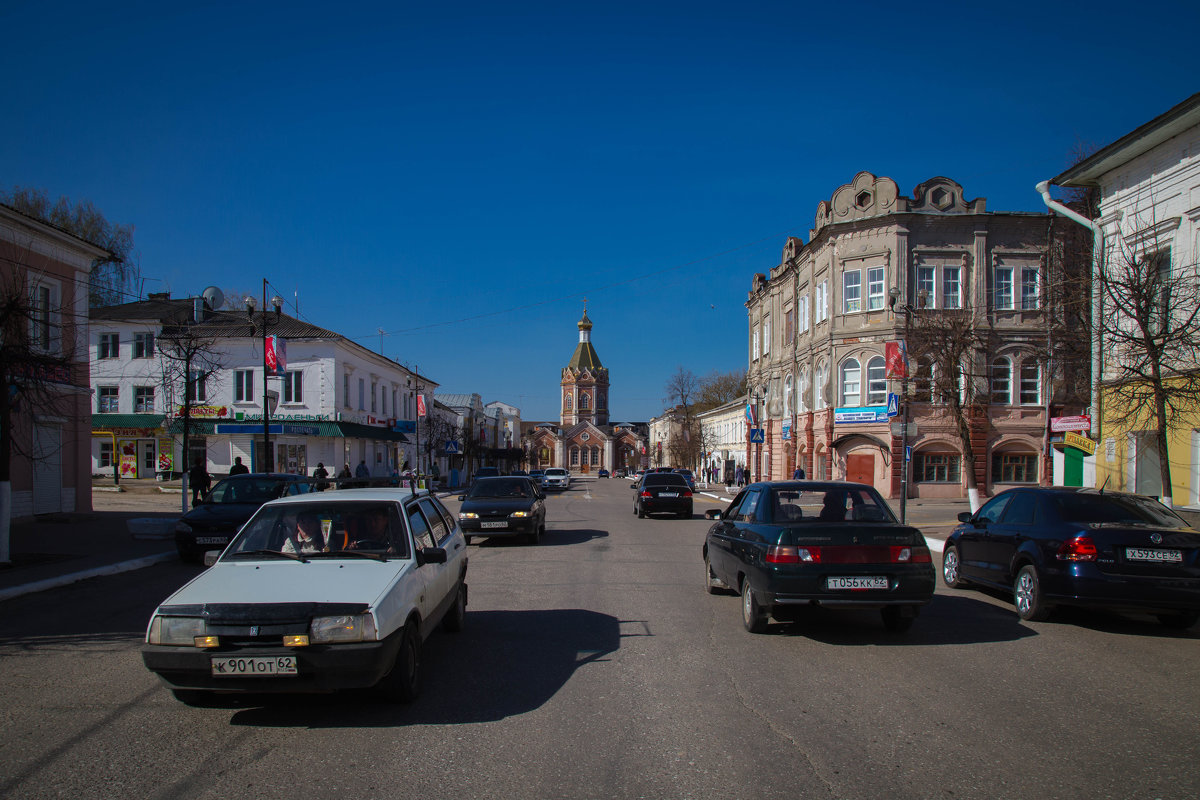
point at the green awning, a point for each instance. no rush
(149, 423)
(287, 427)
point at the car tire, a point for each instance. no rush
(456, 617)
(896, 620)
(403, 683)
(712, 583)
(467, 539)
(641, 514)
(1027, 595)
(952, 568)
(1180, 621)
(754, 618)
(534, 537)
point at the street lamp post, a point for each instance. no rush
(276, 301)
(906, 466)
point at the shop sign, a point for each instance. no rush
(241, 415)
(787, 429)
(862, 414)
(1080, 423)
(128, 457)
(357, 419)
(1079, 442)
(166, 455)
(204, 412)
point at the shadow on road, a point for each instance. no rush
(553, 537)
(949, 619)
(505, 663)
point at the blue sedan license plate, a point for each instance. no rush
(254, 667)
(1154, 556)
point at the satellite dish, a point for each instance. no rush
(214, 297)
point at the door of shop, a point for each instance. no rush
(860, 468)
(147, 460)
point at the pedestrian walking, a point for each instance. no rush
(363, 473)
(740, 476)
(238, 467)
(798, 473)
(199, 481)
(320, 473)
(344, 477)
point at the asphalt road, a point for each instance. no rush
(595, 666)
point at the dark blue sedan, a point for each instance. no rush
(1079, 547)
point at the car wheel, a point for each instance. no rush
(898, 619)
(534, 537)
(753, 617)
(403, 683)
(456, 617)
(951, 568)
(1180, 621)
(712, 583)
(1027, 595)
(641, 514)
(467, 539)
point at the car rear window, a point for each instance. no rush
(835, 504)
(663, 479)
(1086, 508)
(246, 490)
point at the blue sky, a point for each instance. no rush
(462, 175)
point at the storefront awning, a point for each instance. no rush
(146, 424)
(285, 427)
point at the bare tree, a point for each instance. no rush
(719, 388)
(1151, 335)
(188, 357)
(114, 275)
(947, 345)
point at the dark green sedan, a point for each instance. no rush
(790, 545)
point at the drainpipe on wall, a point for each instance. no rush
(1043, 189)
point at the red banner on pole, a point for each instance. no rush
(896, 359)
(420, 405)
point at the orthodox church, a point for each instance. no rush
(584, 441)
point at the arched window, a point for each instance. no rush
(574, 456)
(876, 382)
(1002, 381)
(1031, 383)
(819, 386)
(600, 400)
(568, 403)
(1012, 466)
(787, 396)
(851, 380)
(802, 402)
(583, 402)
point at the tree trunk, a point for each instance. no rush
(1160, 439)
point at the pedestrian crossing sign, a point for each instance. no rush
(893, 404)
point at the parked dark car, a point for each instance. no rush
(662, 492)
(689, 477)
(220, 513)
(789, 545)
(505, 506)
(1054, 546)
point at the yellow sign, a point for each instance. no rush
(1079, 442)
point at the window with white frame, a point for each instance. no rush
(876, 382)
(851, 291)
(789, 326)
(143, 399)
(1030, 289)
(45, 318)
(1002, 291)
(875, 290)
(802, 391)
(106, 454)
(1031, 383)
(754, 344)
(293, 386)
(787, 395)
(143, 345)
(1014, 467)
(802, 317)
(821, 303)
(109, 346)
(374, 397)
(927, 283)
(819, 387)
(243, 385)
(851, 382)
(951, 287)
(106, 399)
(197, 387)
(766, 331)
(1002, 381)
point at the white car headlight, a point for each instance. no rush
(349, 628)
(176, 631)
(468, 515)
(520, 514)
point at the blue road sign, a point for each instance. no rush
(908, 453)
(756, 436)
(452, 447)
(893, 404)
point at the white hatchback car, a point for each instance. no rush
(325, 591)
(556, 478)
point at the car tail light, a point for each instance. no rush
(905, 554)
(787, 554)
(687, 494)
(646, 493)
(1081, 548)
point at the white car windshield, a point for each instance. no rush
(315, 530)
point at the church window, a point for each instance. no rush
(568, 403)
(600, 400)
(583, 402)
(574, 457)
(595, 456)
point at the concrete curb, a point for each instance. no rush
(74, 577)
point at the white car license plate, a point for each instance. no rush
(212, 539)
(857, 582)
(1155, 556)
(493, 524)
(669, 494)
(254, 667)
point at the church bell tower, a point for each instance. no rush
(584, 382)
